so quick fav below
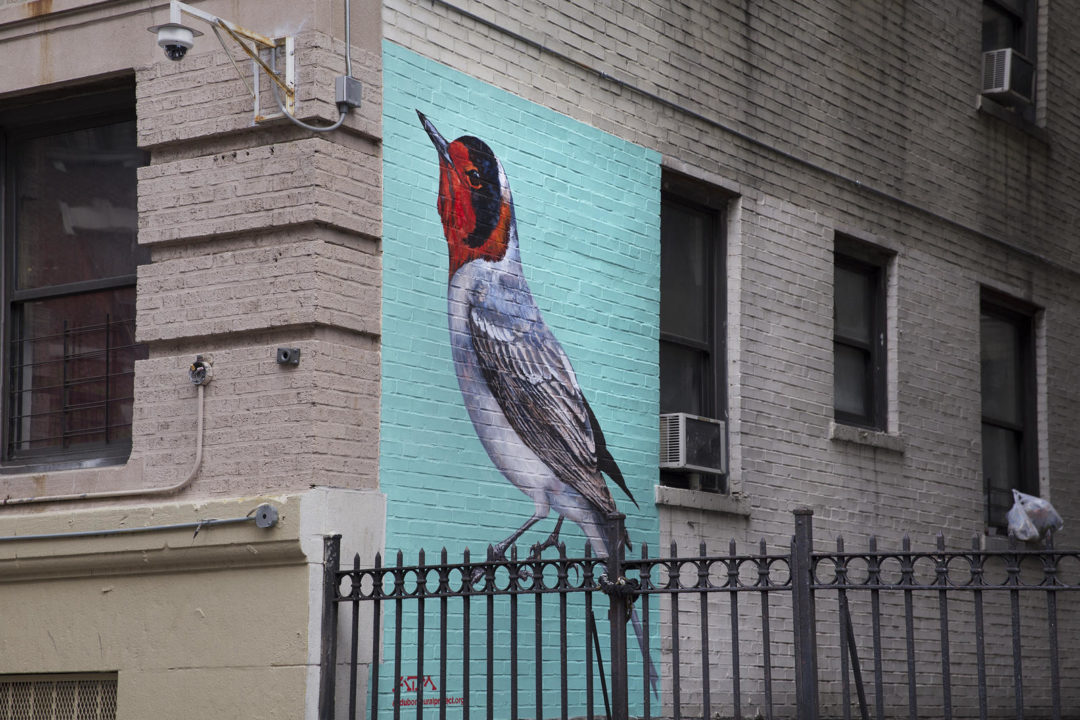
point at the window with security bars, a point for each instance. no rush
(58, 697)
(70, 258)
(1009, 447)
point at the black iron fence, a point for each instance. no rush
(876, 634)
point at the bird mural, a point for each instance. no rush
(516, 380)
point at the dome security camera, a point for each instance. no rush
(175, 39)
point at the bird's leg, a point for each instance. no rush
(498, 552)
(552, 541)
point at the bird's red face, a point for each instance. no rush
(474, 201)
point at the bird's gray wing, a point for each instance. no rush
(532, 380)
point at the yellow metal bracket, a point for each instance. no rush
(280, 50)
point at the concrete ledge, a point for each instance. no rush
(862, 436)
(159, 550)
(734, 504)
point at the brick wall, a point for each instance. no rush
(820, 119)
(587, 207)
(262, 237)
(940, 183)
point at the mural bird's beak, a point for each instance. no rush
(437, 139)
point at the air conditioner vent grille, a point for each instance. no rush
(995, 70)
(670, 431)
(691, 443)
(1007, 75)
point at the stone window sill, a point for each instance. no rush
(838, 432)
(733, 504)
(1003, 113)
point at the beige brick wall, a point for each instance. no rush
(262, 238)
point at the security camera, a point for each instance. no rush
(175, 39)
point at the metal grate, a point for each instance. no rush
(58, 697)
(996, 70)
(73, 389)
(670, 439)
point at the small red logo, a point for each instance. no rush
(416, 683)
(412, 683)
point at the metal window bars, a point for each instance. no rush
(71, 388)
(926, 626)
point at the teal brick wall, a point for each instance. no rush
(588, 210)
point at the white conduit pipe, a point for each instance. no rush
(136, 492)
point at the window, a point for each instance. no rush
(692, 311)
(1007, 359)
(70, 255)
(1010, 24)
(859, 336)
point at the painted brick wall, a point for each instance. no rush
(587, 209)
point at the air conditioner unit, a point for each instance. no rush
(1008, 75)
(693, 444)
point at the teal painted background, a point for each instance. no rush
(588, 211)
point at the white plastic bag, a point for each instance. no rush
(1020, 525)
(1031, 518)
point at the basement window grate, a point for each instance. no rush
(58, 697)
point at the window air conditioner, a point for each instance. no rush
(1007, 75)
(693, 444)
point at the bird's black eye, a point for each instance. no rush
(474, 177)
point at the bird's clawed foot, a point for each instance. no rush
(497, 554)
(552, 541)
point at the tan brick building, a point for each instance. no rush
(845, 154)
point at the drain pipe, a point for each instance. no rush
(200, 373)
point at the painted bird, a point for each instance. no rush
(517, 382)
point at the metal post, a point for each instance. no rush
(802, 595)
(618, 613)
(328, 661)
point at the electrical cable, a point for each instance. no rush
(342, 108)
(301, 123)
(197, 526)
(168, 490)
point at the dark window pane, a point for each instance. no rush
(1002, 470)
(75, 206)
(1002, 381)
(1000, 29)
(73, 361)
(682, 374)
(851, 380)
(854, 306)
(684, 273)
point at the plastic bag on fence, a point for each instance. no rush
(1031, 518)
(1041, 513)
(1020, 525)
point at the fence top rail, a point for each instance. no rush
(953, 570)
(761, 572)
